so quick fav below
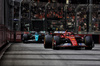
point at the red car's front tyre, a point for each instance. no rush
(48, 41)
(89, 43)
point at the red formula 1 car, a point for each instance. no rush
(68, 39)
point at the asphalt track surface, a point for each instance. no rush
(34, 54)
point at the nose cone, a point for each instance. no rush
(73, 41)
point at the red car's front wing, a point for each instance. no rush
(70, 45)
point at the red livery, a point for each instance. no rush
(68, 39)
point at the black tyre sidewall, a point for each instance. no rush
(25, 37)
(57, 39)
(88, 41)
(48, 41)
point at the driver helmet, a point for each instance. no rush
(36, 33)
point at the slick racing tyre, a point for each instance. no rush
(57, 40)
(48, 41)
(89, 43)
(25, 37)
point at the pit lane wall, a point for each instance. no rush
(6, 35)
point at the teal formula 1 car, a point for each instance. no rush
(33, 36)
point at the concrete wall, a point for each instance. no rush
(8, 14)
(1, 11)
(5, 13)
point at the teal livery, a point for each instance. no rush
(36, 37)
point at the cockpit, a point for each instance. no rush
(69, 33)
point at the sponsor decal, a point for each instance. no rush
(81, 44)
(67, 44)
(18, 37)
(73, 39)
